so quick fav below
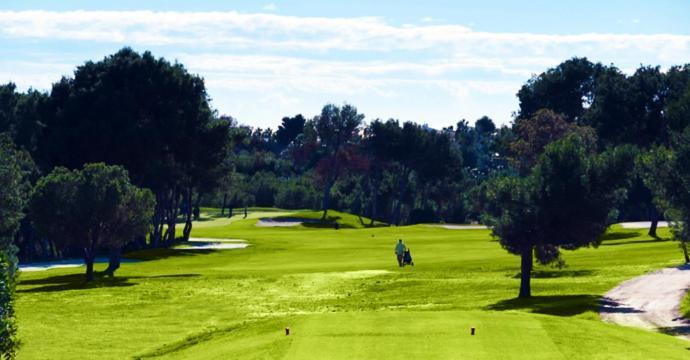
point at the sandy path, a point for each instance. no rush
(212, 244)
(461, 226)
(650, 301)
(642, 224)
(65, 263)
(288, 221)
(193, 244)
(275, 223)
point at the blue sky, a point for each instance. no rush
(432, 62)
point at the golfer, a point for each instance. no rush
(400, 252)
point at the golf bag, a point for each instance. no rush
(407, 258)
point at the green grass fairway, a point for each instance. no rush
(343, 297)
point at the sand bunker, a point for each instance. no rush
(66, 263)
(461, 226)
(279, 222)
(650, 301)
(642, 224)
(193, 244)
(212, 244)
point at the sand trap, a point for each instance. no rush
(66, 263)
(642, 224)
(212, 244)
(461, 226)
(650, 301)
(191, 239)
(193, 244)
(276, 223)
(279, 222)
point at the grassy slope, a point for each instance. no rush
(685, 306)
(343, 296)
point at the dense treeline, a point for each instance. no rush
(138, 122)
(153, 118)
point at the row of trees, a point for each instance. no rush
(384, 169)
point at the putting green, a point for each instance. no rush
(343, 296)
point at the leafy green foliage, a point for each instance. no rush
(564, 203)
(90, 209)
(666, 172)
(535, 133)
(685, 306)
(336, 128)
(14, 166)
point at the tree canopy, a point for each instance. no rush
(15, 166)
(565, 202)
(91, 208)
(666, 171)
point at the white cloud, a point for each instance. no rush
(294, 61)
(289, 32)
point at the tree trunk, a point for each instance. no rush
(196, 211)
(402, 185)
(173, 209)
(374, 197)
(655, 221)
(526, 272)
(684, 246)
(188, 217)
(88, 260)
(114, 259)
(157, 220)
(326, 198)
(222, 208)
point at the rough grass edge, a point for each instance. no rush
(191, 340)
(685, 306)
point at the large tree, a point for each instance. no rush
(564, 203)
(21, 115)
(666, 171)
(336, 129)
(13, 193)
(94, 208)
(566, 89)
(638, 109)
(144, 113)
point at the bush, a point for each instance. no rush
(8, 327)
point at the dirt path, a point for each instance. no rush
(642, 224)
(650, 301)
(460, 226)
(212, 244)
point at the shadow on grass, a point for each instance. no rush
(159, 254)
(551, 274)
(681, 330)
(559, 305)
(619, 235)
(648, 241)
(78, 282)
(331, 222)
(608, 305)
(73, 282)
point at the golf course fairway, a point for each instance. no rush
(343, 296)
